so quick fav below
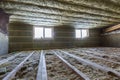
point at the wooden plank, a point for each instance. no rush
(79, 73)
(9, 58)
(112, 28)
(11, 75)
(108, 70)
(42, 72)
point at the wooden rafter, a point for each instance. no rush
(112, 28)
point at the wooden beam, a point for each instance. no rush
(9, 58)
(42, 72)
(11, 75)
(108, 70)
(112, 28)
(79, 73)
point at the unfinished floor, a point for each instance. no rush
(101, 63)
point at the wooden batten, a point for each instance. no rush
(112, 28)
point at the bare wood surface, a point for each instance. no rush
(93, 65)
(112, 28)
(42, 72)
(79, 73)
(11, 75)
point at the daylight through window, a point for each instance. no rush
(81, 33)
(41, 32)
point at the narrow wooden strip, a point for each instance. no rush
(99, 58)
(11, 75)
(79, 73)
(95, 53)
(112, 28)
(42, 72)
(108, 70)
(9, 58)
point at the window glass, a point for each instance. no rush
(41, 32)
(78, 33)
(38, 32)
(81, 33)
(48, 33)
(84, 33)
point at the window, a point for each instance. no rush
(81, 33)
(48, 33)
(84, 33)
(41, 32)
(78, 33)
(38, 32)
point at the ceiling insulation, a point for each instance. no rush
(83, 13)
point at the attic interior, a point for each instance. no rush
(59, 40)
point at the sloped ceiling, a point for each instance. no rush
(79, 13)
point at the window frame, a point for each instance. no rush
(43, 33)
(81, 33)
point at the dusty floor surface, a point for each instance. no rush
(92, 73)
(56, 70)
(29, 69)
(11, 64)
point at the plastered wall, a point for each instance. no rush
(4, 20)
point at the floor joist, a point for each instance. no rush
(80, 74)
(14, 71)
(93, 65)
(42, 72)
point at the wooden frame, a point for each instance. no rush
(42, 72)
(79, 73)
(108, 70)
(11, 75)
(112, 28)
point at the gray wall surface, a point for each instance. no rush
(111, 39)
(21, 38)
(4, 19)
(3, 43)
(92, 41)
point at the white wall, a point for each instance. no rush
(3, 44)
